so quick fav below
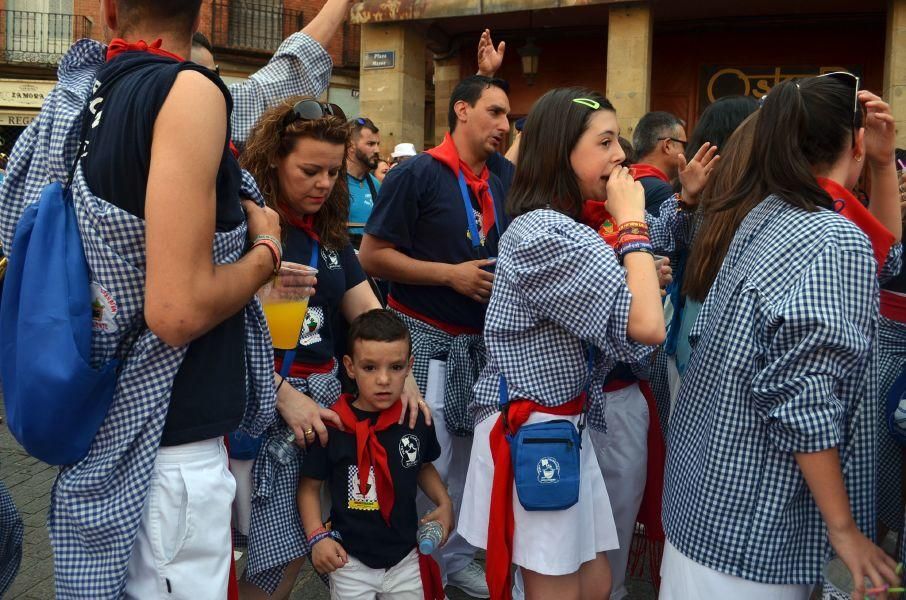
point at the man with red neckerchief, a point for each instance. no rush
(659, 141)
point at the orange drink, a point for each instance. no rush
(285, 303)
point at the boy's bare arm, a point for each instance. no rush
(431, 484)
(327, 555)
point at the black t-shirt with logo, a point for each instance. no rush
(357, 517)
(338, 272)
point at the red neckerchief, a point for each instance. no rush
(640, 170)
(305, 223)
(447, 154)
(369, 451)
(119, 45)
(847, 205)
(501, 524)
(595, 215)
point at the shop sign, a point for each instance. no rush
(385, 59)
(16, 118)
(22, 93)
(717, 81)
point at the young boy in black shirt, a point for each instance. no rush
(373, 468)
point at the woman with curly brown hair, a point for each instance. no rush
(297, 153)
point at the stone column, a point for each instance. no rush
(629, 37)
(395, 98)
(895, 66)
(446, 76)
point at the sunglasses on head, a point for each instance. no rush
(310, 110)
(849, 80)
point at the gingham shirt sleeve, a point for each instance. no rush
(672, 228)
(300, 67)
(592, 303)
(819, 333)
(893, 264)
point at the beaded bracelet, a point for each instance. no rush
(323, 536)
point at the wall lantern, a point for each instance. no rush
(530, 54)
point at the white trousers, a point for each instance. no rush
(622, 454)
(684, 579)
(452, 466)
(183, 549)
(355, 581)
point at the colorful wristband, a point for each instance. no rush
(275, 253)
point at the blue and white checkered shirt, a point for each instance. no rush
(97, 503)
(779, 367)
(558, 287)
(299, 67)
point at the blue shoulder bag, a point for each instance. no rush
(546, 456)
(55, 400)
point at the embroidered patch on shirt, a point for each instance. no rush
(357, 500)
(103, 310)
(409, 451)
(331, 259)
(314, 320)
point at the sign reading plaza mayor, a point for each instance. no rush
(383, 59)
(717, 81)
(20, 100)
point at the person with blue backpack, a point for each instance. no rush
(157, 265)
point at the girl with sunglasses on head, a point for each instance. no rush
(771, 449)
(297, 154)
(563, 311)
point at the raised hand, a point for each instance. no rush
(489, 58)
(880, 129)
(694, 174)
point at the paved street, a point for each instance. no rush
(30, 480)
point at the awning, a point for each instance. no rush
(378, 11)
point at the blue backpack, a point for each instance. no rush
(55, 400)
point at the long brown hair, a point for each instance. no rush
(271, 141)
(713, 238)
(803, 125)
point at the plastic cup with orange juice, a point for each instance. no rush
(285, 303)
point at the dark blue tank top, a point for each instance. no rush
(208, 397)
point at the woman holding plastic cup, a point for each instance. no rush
(297, 154)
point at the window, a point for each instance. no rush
(38, 30)
(256, 24)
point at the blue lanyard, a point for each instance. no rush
(470, 214)
(290, 355)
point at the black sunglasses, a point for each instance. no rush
(849, 79)
(310, 110)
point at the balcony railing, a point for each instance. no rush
(39, 37)
(252, 25)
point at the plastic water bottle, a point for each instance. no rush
(429, 536)
(283, 447)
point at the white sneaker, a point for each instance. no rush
(471, 580)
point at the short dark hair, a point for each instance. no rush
(360, 123)
(470, 90)
(179, 13)
(544, 173)
(377, 325)
(201, 40)
(654, 125)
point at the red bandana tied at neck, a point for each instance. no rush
(447, 154)
(595, 215)
(305, 223)
(640, 170)
(369, 451)
(849, 206)
(119, 45)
